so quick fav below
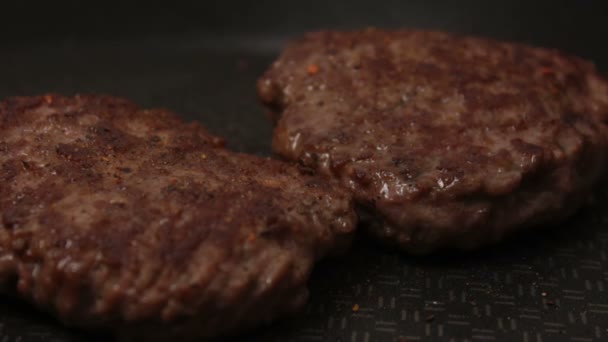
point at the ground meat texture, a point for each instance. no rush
(444, 140)
(129, 220)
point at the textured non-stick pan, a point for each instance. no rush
(201, 59)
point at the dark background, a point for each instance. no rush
(202, 58)
(577, 26)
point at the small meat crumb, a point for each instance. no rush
(546, 71)
(355, 307)
(313, 69)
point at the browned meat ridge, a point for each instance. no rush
(118, 218)
(448, 141)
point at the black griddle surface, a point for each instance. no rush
(550, 285)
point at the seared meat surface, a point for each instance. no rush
(444, 140)
(129, 220)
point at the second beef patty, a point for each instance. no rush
(445, 140)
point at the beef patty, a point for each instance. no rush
(118, 218)
(445, 140)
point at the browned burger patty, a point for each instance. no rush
(113, 217)
(447, 140)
